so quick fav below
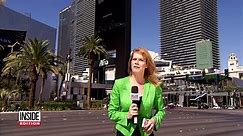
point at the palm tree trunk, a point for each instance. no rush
(9, 77)
(56, 87)
(33, 81)
(41, 91)
(89, 86)
(60, 87)
(5, 103)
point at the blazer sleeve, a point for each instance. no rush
(114, 112)
(159, 106)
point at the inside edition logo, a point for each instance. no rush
(29, 118)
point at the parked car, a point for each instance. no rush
(216, 107)
(170, 106)
(178, 105)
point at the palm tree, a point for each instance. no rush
(48, 65)
(30, 58)
(92, 47)
(6, 94)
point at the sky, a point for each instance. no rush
(145, 22)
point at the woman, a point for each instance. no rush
(141, 69)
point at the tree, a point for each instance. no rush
(229, 86)
(47, 66)
(30, 59)
(91, 48)
(6, 94)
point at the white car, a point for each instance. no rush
(216, 107)
(231, 108)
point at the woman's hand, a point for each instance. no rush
(149, 126)
(133, 111)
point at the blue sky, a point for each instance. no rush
(145, 22)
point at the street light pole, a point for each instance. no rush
(68, 75)
(12, 47)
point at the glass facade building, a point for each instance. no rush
(183, 23)
(204, 55)
(109, 19)
(12, 20)
(16, 27)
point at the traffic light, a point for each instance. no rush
(226, 72)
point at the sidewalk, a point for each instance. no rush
(224, 111)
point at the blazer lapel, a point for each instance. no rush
(146, 91)
(127, 87)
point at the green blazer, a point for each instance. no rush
(120, 102)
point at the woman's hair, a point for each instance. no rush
(150, 71)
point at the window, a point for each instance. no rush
(100, 1)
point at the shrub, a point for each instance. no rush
(97, 104)
(58, 105)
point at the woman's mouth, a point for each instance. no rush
(136, 66)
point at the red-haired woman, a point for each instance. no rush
(141, 69)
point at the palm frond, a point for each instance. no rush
(92, 47)
(1, 47)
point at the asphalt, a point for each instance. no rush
(178, 122)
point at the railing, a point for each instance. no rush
(200, 96)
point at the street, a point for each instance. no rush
(178, 122)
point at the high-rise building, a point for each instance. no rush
(65, 32)
(110, 19)
(75, 22)
(84, 21)
(204, 56)
(113, 24)
(16, 28)
(31, 27)
(183, 23)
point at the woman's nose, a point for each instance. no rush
(136, 62)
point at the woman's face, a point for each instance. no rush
(138, 63)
